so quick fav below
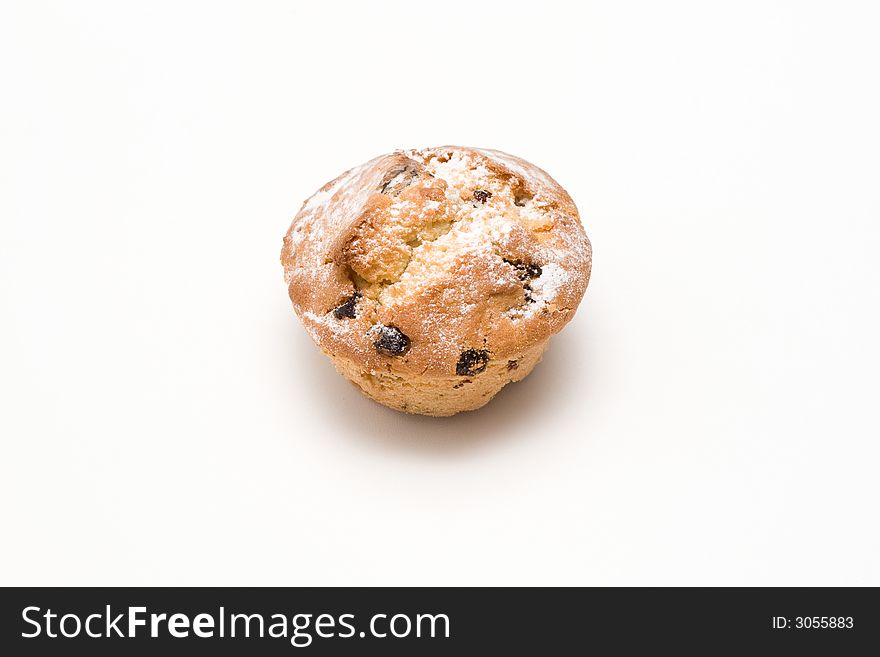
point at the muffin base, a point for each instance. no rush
(440, 396)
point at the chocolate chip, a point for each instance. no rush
(512, 365)
(348, 308)
(472, 361)
(391, 342)
(482, 195)
(525, 270)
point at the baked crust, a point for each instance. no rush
(421, 260)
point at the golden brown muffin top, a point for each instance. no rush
(433, 261)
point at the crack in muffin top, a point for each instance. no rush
(455, 249)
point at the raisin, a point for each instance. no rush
(525, 270)
(512, 365)
(391, 341)
(348, 308)
(482, 195)
(472, 361)
(397, 180)
(521, 196)
(532, 271)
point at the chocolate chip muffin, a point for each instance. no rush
(433, 278)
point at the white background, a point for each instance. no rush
(710, 416)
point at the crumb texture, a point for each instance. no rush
(433, 270)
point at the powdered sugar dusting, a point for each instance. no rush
(329, 210)
(545, 286)
(544, 289)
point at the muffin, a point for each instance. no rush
(433, 278)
